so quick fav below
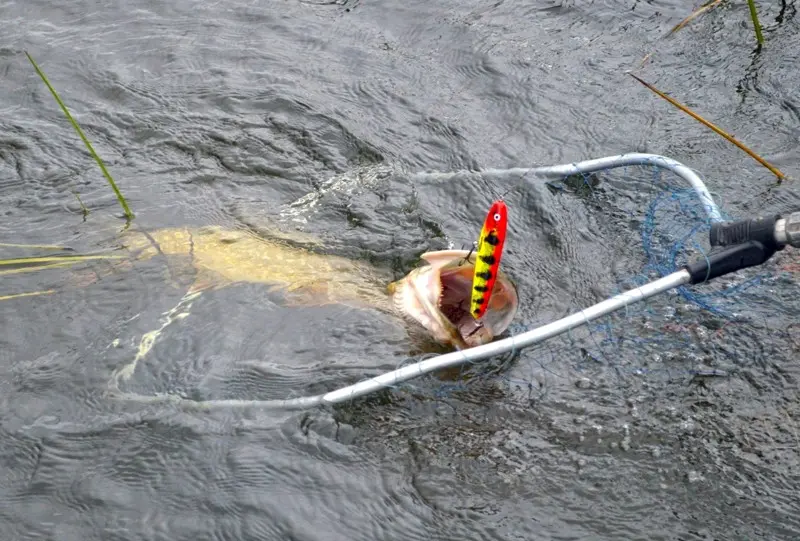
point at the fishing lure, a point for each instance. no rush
(487, 262)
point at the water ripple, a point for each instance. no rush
(313, 116)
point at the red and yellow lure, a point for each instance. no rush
(487, 262)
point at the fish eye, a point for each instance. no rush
(497, 216)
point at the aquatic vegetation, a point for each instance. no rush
(708, 6)
(693, 15)
(53, 259)
(120, 197)
(760, 38)
(29, 294)
(21, 265)
(714, 128)
(756, 24)
(39, 246)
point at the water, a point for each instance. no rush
(227, 112)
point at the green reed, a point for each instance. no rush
(36, 260)
(756, 24)
(120, 198)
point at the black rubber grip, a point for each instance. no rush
(728, 260)
(739, 232)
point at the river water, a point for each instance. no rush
(227, 112)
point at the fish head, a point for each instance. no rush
(437, 296)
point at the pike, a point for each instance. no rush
(432, 298)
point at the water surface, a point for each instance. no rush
(228, 112)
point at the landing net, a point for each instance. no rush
(652, 215)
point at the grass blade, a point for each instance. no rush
(120, 198)
(36, 268)
(756, 24)
(40, 246)
(30, 294)
(711, 126)
(83, 207)
(696, 13)
(54, 259)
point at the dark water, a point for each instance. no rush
(227, 112)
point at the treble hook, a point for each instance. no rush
(474, 247)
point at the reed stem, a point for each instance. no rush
(120, 198)
(756, 24)
(774, 170)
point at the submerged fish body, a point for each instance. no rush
(434, 296)
(220, 257)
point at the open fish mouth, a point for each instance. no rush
(437, 296)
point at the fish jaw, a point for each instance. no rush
(416, 298)
(437, 296)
